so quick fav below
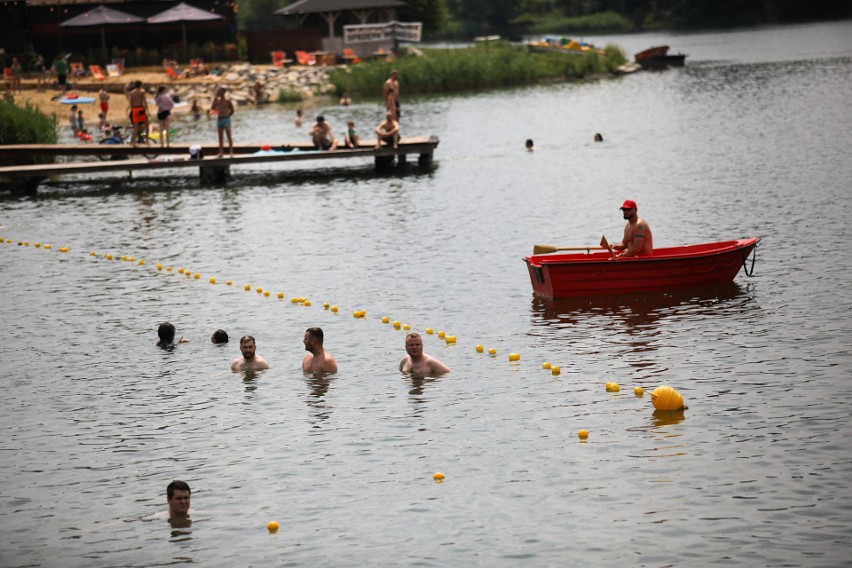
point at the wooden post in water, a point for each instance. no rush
(425, 160)
(214, 174)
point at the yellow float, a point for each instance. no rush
(666, 398)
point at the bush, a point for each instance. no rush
(481, 67)
(289, 95)
(26, 125)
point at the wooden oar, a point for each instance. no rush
(605, 244)
(545, 249)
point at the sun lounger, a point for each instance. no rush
(279, 59)
(96, 72)
(305, 58)
(175, 76)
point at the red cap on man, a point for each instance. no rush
(628, 204)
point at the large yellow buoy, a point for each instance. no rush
(666, 398)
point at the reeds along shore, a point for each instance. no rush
(481, 67)
(25, 124)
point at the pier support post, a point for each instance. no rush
(214, 174)
(425, 160)
(384, 163)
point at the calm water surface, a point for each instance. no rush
(752, 138)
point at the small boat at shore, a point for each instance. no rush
(671, 268)
(563, 45)
(658, 58)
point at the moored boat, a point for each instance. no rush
(658, 58)
(596, 274)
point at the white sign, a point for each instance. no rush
(400, 31)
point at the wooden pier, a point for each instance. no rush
(123, 157)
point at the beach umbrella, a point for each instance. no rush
(183, 13)
(101, 16)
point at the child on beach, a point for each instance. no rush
(196, 111)
(72, 118)
(80, 122)
(103, 96)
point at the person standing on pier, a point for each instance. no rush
(138, 111)
(165, 104)
(391, 94)
(224, 109)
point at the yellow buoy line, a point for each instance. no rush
(663, 398)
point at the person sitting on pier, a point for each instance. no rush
(388, 132)
(322, 135)
(352, 138)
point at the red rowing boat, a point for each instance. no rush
(595, 274)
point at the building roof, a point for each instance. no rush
(73, 2)
(315, 6)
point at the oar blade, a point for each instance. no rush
(544, 249)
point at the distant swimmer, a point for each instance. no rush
(529, 146)
(637, 239)
(417, 362)
(178, 496)
(318, 360)
(598, 137)
(219, 336)
(166, 333)
(250, 361)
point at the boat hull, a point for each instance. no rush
(577, 275)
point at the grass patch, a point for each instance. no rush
(289, 95)
(602, 22)
(26, 125)
(474, 68)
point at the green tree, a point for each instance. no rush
(433, 13)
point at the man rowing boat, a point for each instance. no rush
(637, 239)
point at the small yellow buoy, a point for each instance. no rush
(583, 434)
(109, 257)
(168, 269)
(123, 257)
(334, 309)
(141, 262)
(666, 398)
(259, 290)
(180, 270)
(280, 295)
(272, 527)
(247, 287)
(545, 365)
(450, 339)
(266, 293)
(188, 273)
(37, 245)
(639, 391)
(212, 280)
(159, 266)
(396, 324)
(480, 348)
(441, 335)
(228, 283)
(429, 331)
(492, 351)
(438, 476)
(64, 249)
(385, 319)
(326, 305)
(302, 299)
(612, 387)
(294, 300)
(406, 327)
(555, 370)
(131, 259)
(48, 246)
(92, 253)
(514, 356)
(196, 276)
(307, 302)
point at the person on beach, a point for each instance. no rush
(60, 65)
(388, 132)
(195, 110)
(165, 104)
(250, 360)
(298, 119)
(258, 94)
(322, 135)
(219, 336)
(390, 93)
(17, 75)
(224, 108)
(318, 360)
(40, 71)
(72, 119)
(166, 334)
(81, 122)
(102, 123)
(637, 239)
(352, 138)
(103, 98)
(417, 362)
(138, 110)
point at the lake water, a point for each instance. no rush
(751, 138)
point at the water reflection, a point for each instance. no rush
(640, 314)
(667, 417)
(250, 378)
(319, 385)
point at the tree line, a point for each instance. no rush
(468, 18)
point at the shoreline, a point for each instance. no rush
(237, 78)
